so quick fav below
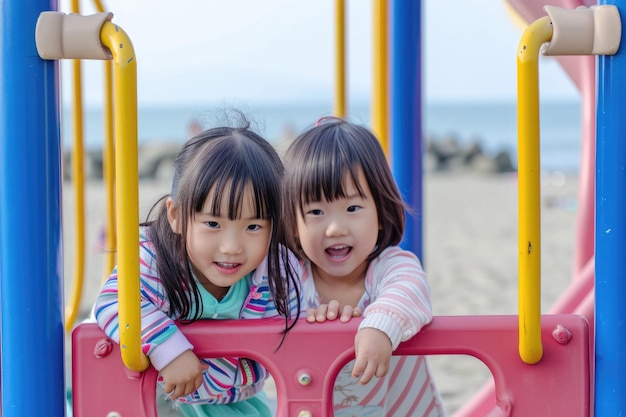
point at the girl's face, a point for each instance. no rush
(223, 251)
(338, 236)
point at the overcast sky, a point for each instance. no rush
(198, 51)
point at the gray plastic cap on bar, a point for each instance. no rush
(71, 36)
(594, 30)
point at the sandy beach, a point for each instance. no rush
(470, 252)
(471, 257)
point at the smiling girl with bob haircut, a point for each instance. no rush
(342, 201)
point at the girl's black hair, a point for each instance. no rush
(227, 160)
(319, 162)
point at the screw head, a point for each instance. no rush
(304, 378)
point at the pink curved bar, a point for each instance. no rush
(558, 385)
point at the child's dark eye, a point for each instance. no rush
(212, 224)
(253, 227)
(353, 209)
(316, 212)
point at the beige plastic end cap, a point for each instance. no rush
(594, 30)
(71, 36)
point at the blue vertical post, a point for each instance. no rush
(406, 114)
(610, 261)
(31, 256)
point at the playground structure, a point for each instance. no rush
(561, 378)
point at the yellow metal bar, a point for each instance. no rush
(380, 103)
(78, 180)
(529, 243)
(99, 6)
(108, 174)
(339, 109)
(108, 167)
(127, 195)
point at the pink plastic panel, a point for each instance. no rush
(557, 386)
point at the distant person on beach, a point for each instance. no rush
(342, 201)
(194, 127)
(211, 250)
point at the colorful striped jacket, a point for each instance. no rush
(228, 379)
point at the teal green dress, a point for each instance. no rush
(227, 308)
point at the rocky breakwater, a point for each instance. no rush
(155, 161)
(448, 154)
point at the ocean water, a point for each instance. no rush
(494, 127)
(491, 124)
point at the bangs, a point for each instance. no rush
(234, 190)
(326, 175)
(237, 168)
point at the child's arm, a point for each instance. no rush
(401, 296)
(373, 352)
(161, 339)
(169, 351)
(183, 375)
(400, 308)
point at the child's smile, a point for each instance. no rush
(227, 268)
(338, 252)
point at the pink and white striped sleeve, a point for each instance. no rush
(399, 287)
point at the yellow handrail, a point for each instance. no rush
(78, 179)
(339, 109)
(380, 104)
(108, 168)
(127, 191)
(529, 243)
(99, 6)
(108, 174)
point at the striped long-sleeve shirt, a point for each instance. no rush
(228, 379)
(397, 302)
